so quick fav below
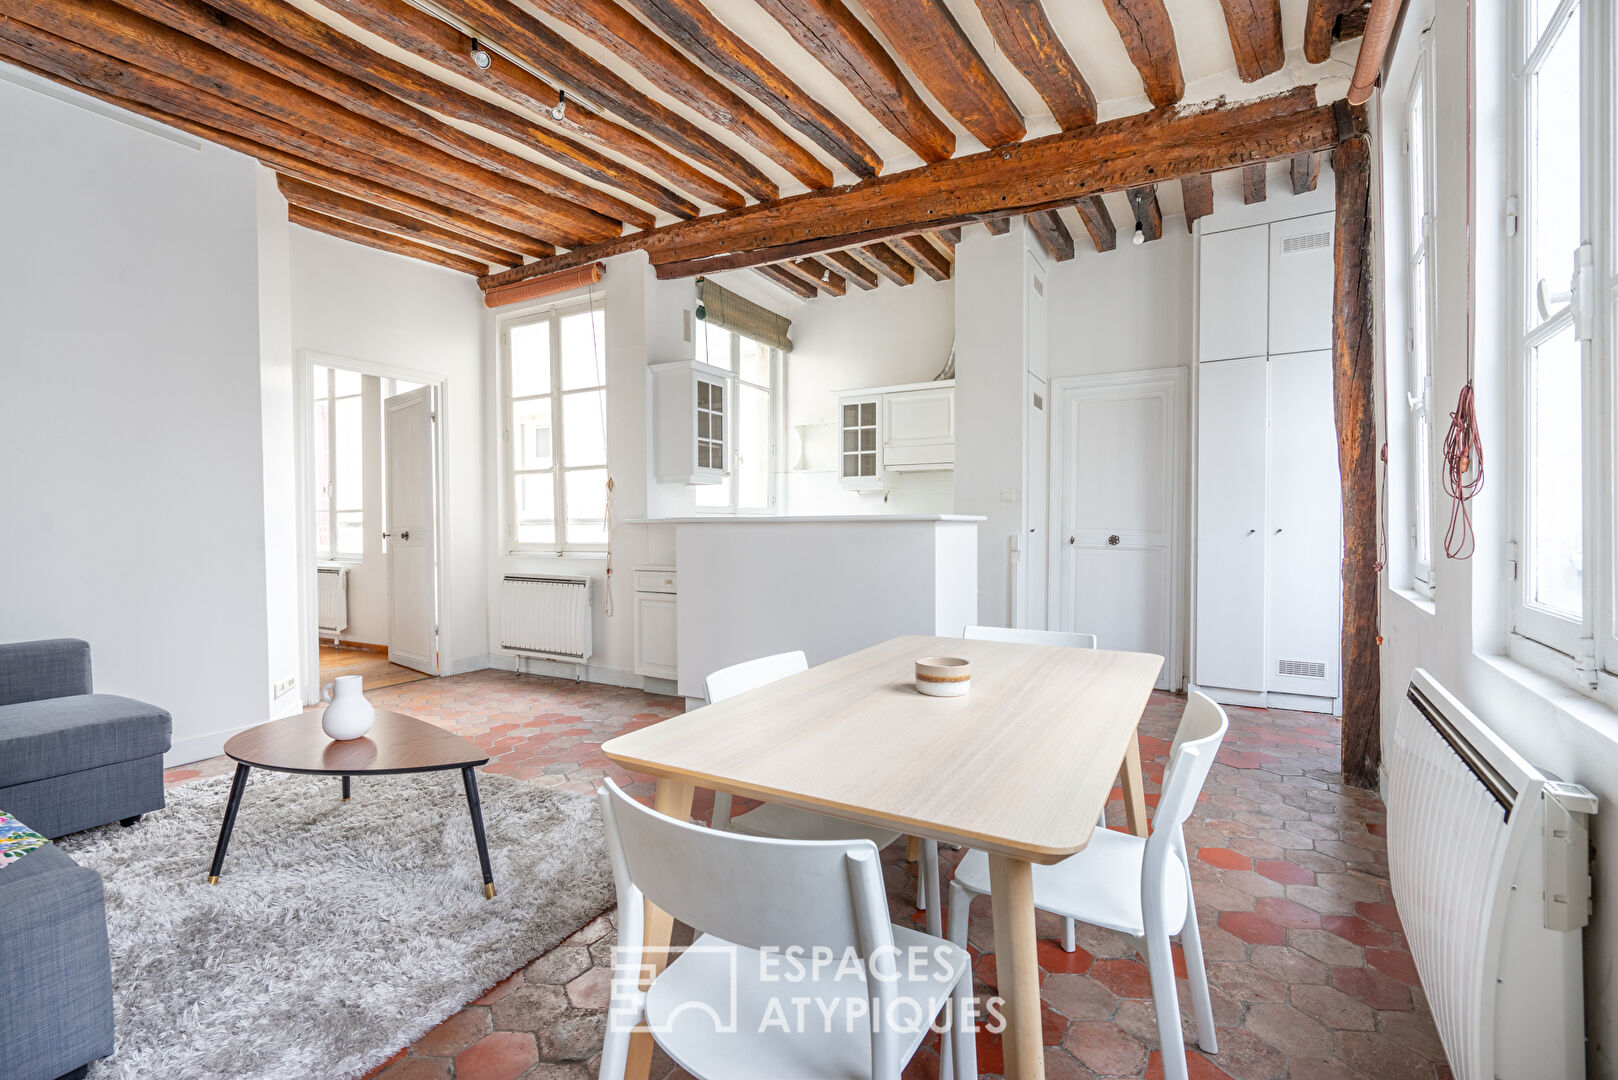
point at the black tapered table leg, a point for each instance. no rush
(237, 786)
(468, 775)
(345, 787)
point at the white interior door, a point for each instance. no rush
(1036, 537)
(1119, 487)
(411, 529)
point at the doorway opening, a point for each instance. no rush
(370, 464)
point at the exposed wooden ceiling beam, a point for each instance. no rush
(1196, 192)
(435, 40)
(1255, 37)
(547, 52)
(359, 234)
(852, 269)
(932, 44)
(815, 273)
(1052, 235)
(947, 239)
(790, 282)
(1148, 37)
(286, 43)
(679, 76)
(333, 204)
(921, 254)
(1024, 32)
(72, 62)
(1320, 27)
(844, 46)
(1098, 222)
(997, 226)
(1305, 173)
(1148, 214)
(1254, 183)
(885, 261)
(692, 27)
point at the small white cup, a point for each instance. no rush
(943, 676)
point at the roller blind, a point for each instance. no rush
(722, 308)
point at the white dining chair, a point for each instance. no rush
(1042, 637)
(1138, 886)
(728, 1006)
(791, 823)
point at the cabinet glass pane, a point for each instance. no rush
(536, 508)
(851, 416)
(586, 506)
(584, 432)
(717, 396)
(868, 438)
(531, 358)
(531, 433)
(1556, 476)
(851, 465)
(703, 400)
(867, 413)
(851, 439)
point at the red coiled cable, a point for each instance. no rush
(1462, 474)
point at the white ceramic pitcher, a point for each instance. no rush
(349, 715)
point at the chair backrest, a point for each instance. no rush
(1202, 730)
(751, 674)
(1031, 637)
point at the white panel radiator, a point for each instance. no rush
(546, 616)
(332, 594)
(1489, 861)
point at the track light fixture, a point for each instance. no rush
(480, 55)
(559, 110)
(1140, 234)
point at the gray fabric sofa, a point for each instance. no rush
(72, 759)
(55, 970)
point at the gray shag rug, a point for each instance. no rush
(338, 932)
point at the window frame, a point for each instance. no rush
(1420, 296)
(733, 448)
(553, 314)
(329, 553)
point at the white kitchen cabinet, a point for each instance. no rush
(918, 430)
(1232, 319)
(1300, 276)
(691, 406)
(656, 622)
(860, 454)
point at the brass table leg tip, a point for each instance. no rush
(488, 892)
(213, 879)
(345, 798)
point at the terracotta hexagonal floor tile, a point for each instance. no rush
(455, 1034)
(1125, 978)
(505, 1055)
(1395, 963)
(1288, 913)
(1105, 1049)
(1252, 928)
(1333, 1008)
(1372, 987)
(1288, 1030)
(1196, 1066)
(1359, 931)
(1053, 958)
(1224, 858)
(1285, 871)
(417, 1068)
(1079, 998)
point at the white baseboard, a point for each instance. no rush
(464, 664)
(1259, 699)
(201, 747)
(561, 669)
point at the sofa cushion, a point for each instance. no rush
(16, 840)
(57, 736)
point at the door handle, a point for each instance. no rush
(1278, 532)
(1113, 540)
(1071, 539)
(385, 535)
(1250, 532)
(405, 535)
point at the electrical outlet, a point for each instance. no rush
(285, 685)
(1008, 495)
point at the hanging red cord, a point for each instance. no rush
(1462, 474)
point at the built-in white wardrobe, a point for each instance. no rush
(1269, 513)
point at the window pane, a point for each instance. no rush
(536, 508)
(1421, 426)
(531, 433)
(755, 366)
(320, 381)
(350, 453)
(347, 382)
(753, 449)
(587, 506)
(1556, 476)
(350, 533)
(1418, 160)
(1554, 167)
(584, 350)
(322, 453)
(584, 428)
(716, 345)
(400, 386)
(531, 358)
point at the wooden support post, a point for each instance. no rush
(1353, 370)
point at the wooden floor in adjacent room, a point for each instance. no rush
(371, 661)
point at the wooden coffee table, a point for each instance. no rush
(395, 744)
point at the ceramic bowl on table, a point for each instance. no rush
(943, 676)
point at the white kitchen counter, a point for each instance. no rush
(788, 519)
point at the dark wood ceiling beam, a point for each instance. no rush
(435, 40)
(1305, 173)
(1098, 222)
(280, 145)
(1025, 34)
(1320, 27)
(1053, 236)
(947, 239)
(817, 274)
(1148, 37)
(1255, 37)
(920, 253)
(210, 74)
(288, 44)
(1040, 174)
(885, 261)
(932, 44)
(852, 269)
(1254, 183)
(790, 282)
(691, 26)
(1148, 214)
(1196, 193)
(333, 204)
(678, 76)
(997, 226)
(843, 44)
(547, 52)
(398, 245)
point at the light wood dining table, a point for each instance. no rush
(1020, 767)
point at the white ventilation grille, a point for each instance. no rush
(546, 616)
(1314, 241)
(332, 596)
(1307, 669)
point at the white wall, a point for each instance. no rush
(132, 487)
(423, 322)
(1128, 309)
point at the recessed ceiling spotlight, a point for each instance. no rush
(1140, 234)
(480, 55)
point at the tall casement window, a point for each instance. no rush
(750, 486)
(339, 465)
(554, 407)
(1566, 292)
(1418, 158)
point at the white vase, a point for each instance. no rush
(349, 715)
